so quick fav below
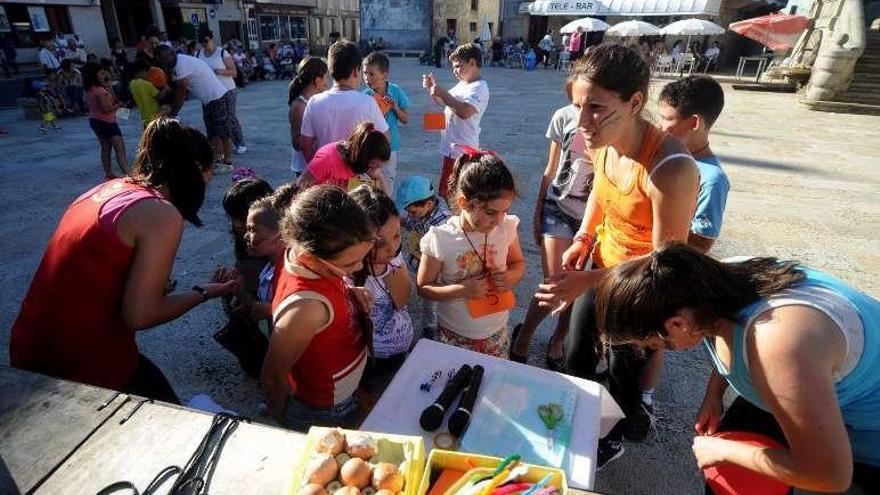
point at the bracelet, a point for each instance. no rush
(201, 291)
(583, 237)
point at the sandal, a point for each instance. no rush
(518, 358)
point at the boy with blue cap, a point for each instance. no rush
(424, 210)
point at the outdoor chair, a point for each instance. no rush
(687, 62)
(664, 65)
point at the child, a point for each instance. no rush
(317, 352)
(423, 210)
(46, 104)
(471, 263)
(71, 79)
(689, 108)
(263, 239)
(350, 163)
(387, 279)
(241, 335)
(464, 105)
(562, 199)
(310, 79)
(393, 103)
(103, 105)
(145, 95)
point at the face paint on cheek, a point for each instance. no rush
(608, 120)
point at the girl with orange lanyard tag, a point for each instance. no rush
(474, 290)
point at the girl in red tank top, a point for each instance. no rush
(318, 347)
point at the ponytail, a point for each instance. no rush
(365, 144)
(480, 176)
(308, 70)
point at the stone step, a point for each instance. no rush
(868, 98)
(865, 87)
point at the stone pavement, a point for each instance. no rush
(805, 185)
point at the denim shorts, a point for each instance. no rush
(556, 223)
(300, 416)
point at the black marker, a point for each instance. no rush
(462, 416)
(432, 417)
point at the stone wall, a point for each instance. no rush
(402, 24)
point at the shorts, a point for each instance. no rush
(497, 344)
(216, 116)
(556, 223)
(300, 416)
(104, 129)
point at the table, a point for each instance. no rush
(399, 408)
(762, 63)
(64, 437)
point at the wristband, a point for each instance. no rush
(583, 237)
(201, 291)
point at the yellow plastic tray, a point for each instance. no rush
(413, 475)
(446, 459)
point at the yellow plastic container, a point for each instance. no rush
(413, 448)
(445, 459)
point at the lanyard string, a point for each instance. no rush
(481, 258)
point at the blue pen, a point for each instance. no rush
(538, 485)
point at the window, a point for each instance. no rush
(475, 4)
(333, 25)
(473, 27)
(318, 30)
(284, 31)
(353, 34)
(298, 28)
(793, 10)
(269, 29)
(22, 30)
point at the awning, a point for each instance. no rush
(621, 7)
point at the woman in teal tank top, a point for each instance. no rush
(801, 348)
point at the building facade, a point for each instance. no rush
(127, 20)
(28, 23)
(402, 24)
(466, 20)
(273, 21)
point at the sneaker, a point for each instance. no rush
(222, 168)
(637, 426)
(240, 150)
(43, 130)
(609, 450)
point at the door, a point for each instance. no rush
(229, 30)
(537, 28)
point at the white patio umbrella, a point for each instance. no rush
(692, 27)
(588, 24)
(633, 28)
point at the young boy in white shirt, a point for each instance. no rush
(464, 105)
(332, 115)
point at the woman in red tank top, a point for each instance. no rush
(318, 348)
(644, 194)
(105, 268)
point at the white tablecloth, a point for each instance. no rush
(400, 406)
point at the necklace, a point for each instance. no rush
(474, 248)
(697, 152)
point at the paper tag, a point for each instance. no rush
(123, 113)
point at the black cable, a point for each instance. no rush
(195, 478)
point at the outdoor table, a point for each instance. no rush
(761, 61)
(56, 440)
(399, 408)
(58, 436)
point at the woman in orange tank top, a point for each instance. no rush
(644, 194)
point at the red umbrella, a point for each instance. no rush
(775, 31)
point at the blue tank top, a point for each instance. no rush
(858, 393)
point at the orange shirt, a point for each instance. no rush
(626, 229)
